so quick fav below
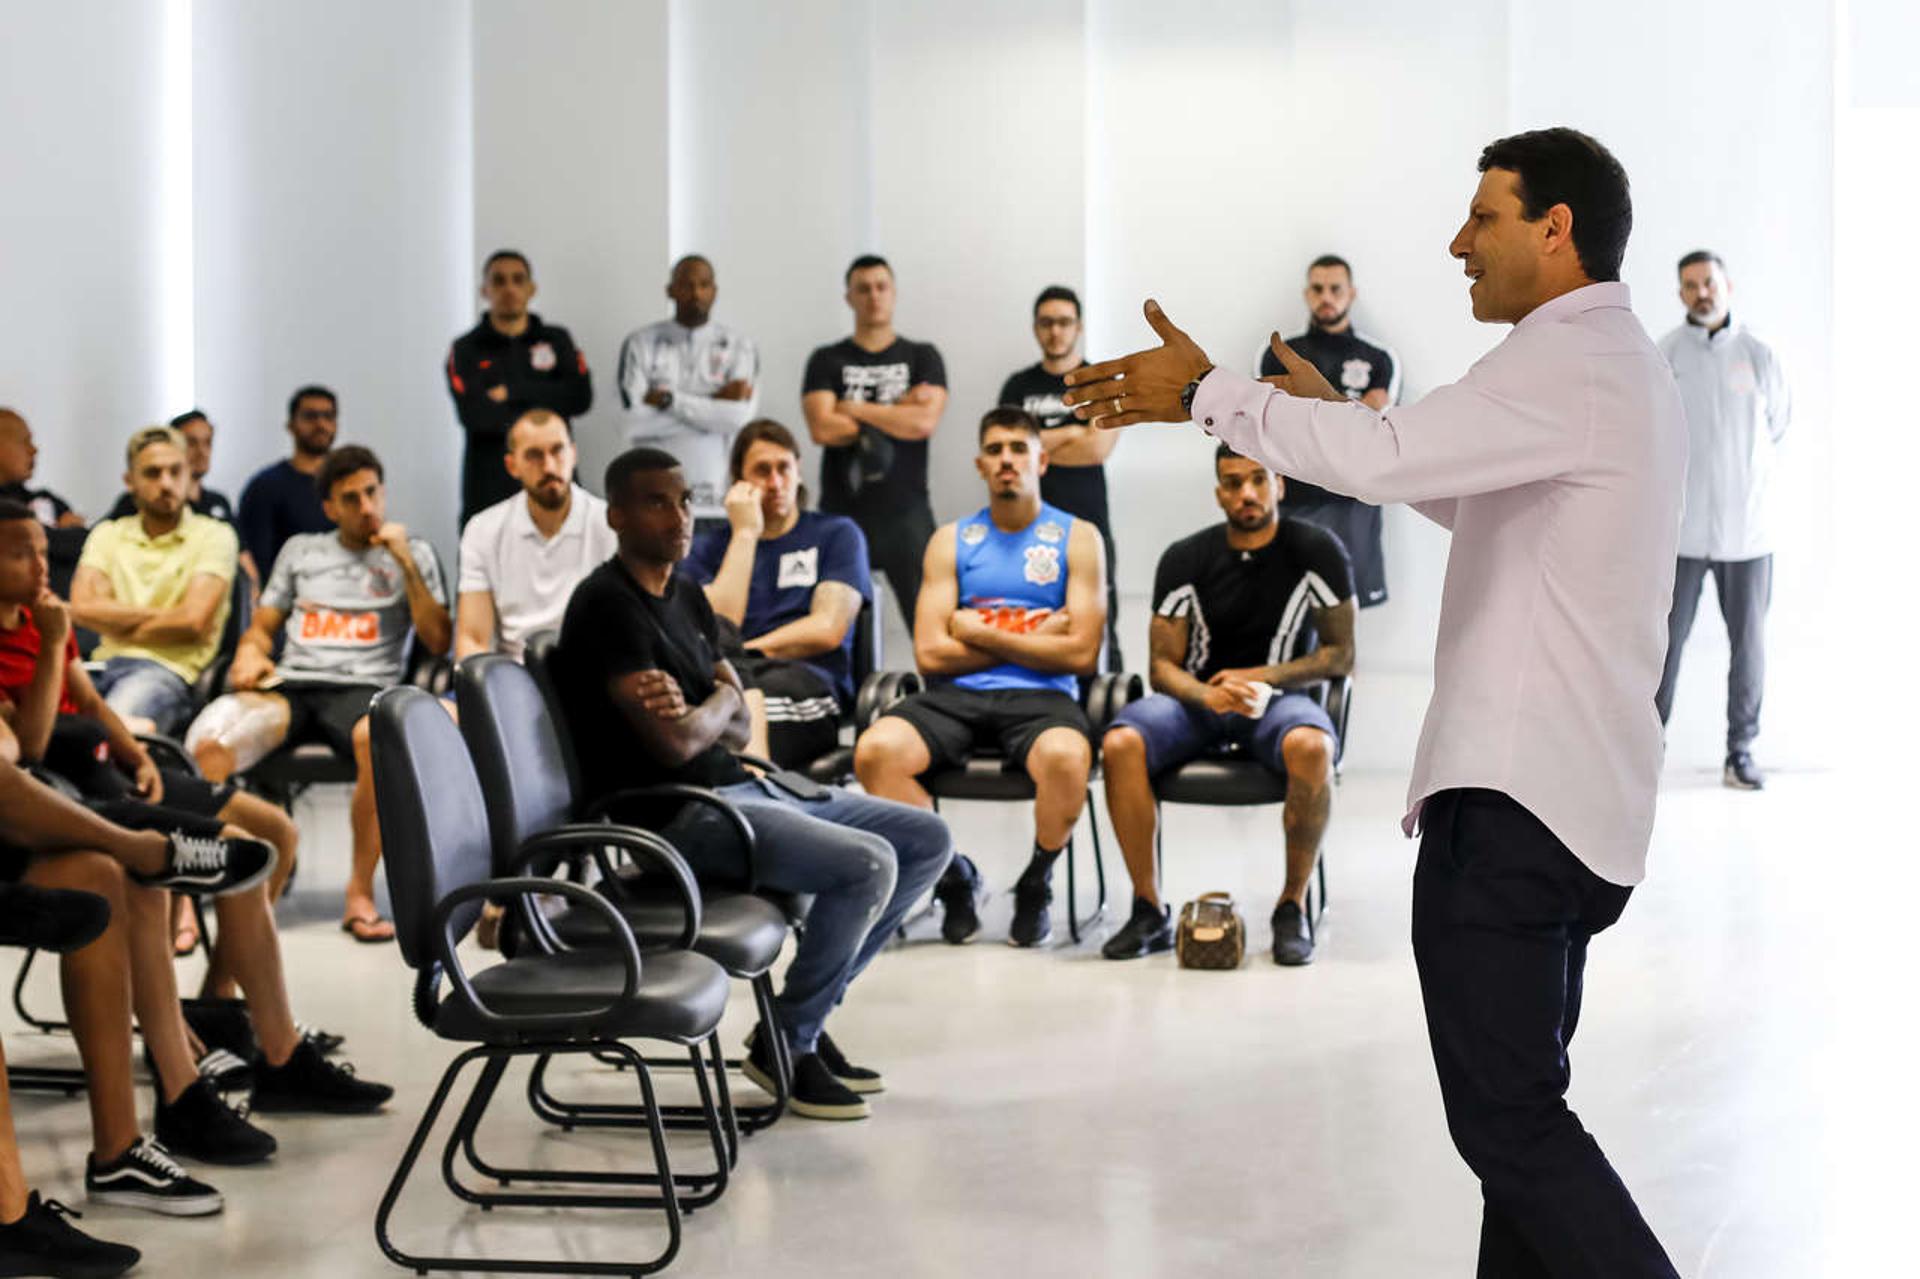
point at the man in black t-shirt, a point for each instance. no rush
(872, 402)
(1366, 372)
(1076, 476)
(18, 455)
(1246, 615)
(648, 698)
(509, 362)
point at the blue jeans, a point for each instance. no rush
(142, 687)
(1175, 732)
(864, 860)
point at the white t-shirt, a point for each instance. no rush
(530, 576)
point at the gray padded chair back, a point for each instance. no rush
(433, 823)
(516, 750)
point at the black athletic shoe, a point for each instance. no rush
(147, 1177)
(311, 1084)
(325, 1041)
(856, 1078)
(200, 1125)
(758, 1065)
(42, 1243)
(958, 887)
(818, 1095)
(55, 919)
(1032, 921)
(214, 866)
(1741, 773)
(1292, 941)
(1148, 931)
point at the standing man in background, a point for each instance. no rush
(1076, 476)
(1364, 371)
(509, 362)
(872, 402)
(688, 385)
(1737, 411)
(280, 501)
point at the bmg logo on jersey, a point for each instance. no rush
(328, 626)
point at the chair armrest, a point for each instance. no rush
(1106, 694)
(758, 763)
(212, 680)
(734, 820)
(169, 752)
(879, 691)
(641, 847)
(1338, 700)
(623, 942)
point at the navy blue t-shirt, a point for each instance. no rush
(277, 503)
(818, 548)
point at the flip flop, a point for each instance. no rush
(367, 929)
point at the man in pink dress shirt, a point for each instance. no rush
(1558, 463)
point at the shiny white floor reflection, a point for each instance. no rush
(1051, 1113)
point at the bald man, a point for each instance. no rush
(17, 456)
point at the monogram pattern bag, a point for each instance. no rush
(1211, 933)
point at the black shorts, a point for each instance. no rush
(326, 713)
(954, 722)
(803, 716)
(78, 753)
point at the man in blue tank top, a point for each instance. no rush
(1012, 608)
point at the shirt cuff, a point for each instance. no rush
(1228, 406)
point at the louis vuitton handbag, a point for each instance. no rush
(1211, 933)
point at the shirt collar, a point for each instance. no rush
(521, 517)
(1606, 295)
(1700, 333)
(174, 538)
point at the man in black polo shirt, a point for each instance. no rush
(1246, 614)
(1076, 475)
(1366, 372)
(648, 698)
(509, 362)
(872, 402)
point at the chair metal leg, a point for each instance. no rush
(1075, 924)
(666, 1201)
(41, 1024)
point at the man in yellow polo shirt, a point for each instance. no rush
(156, 585)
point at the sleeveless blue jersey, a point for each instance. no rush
(1015, 579)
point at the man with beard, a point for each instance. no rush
(197, 431)
(280, 501)
(1246, 615)
(520, 559)
(1363, 371)
(688, 385)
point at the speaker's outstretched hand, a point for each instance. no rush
(1300, 377)
(1142, 387)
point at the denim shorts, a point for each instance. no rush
(139, 686)
(1175, 732)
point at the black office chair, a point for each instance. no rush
(521, 757)
(1230, 780)
(835, 768)
(554, 1000)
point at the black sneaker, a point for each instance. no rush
(1032, 921)
(758, 1065)
(147, 1177)
(1292, 940)
(311, 1084)
(53, 919)
(856, 1078)
(203, 1127)
(210, 865)
(1148, 931)
(325, 1041)
(958, 887)
(42, 1243)
(220, 1068)
(818, 1095)
(1741, 773)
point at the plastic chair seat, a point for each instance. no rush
(983, 776)
(740, 932)
(681, 997)
(1226, 782)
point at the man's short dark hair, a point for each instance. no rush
(687, 259)
(11, 510)
(1331, 260)
(315, 392)
(538, 417)
(759, 430)
(1565, 166)
(198, 415)
(1698, 256)
(635, 461)
(348, 459)
(1057, 293)
(510, 254)
(864, 261)
(1010, 417)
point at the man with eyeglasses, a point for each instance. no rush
(280, 501)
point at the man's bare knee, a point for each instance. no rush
(890, 748)
(1123, 748)
(1308, 754)
(1060, 756)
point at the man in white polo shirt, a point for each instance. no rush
(520, 559)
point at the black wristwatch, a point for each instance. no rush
(1192, 389)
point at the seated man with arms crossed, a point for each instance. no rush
(347, 600)
(648, 698)
(1012, 607)
(1237, 606)
(788, 583)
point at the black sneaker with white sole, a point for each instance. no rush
(41, 1242)
(1741, 773)
(1032, 920)
(856, 1078)
(200, 1125)
(818, 1095)
(957, 893)
(212, 865)
(146, 1176)
(308, 1083)
(1148, 931)
(758, 1065)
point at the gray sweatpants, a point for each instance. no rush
(1745, 588)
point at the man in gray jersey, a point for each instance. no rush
(1737, 411)
(347, 601)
